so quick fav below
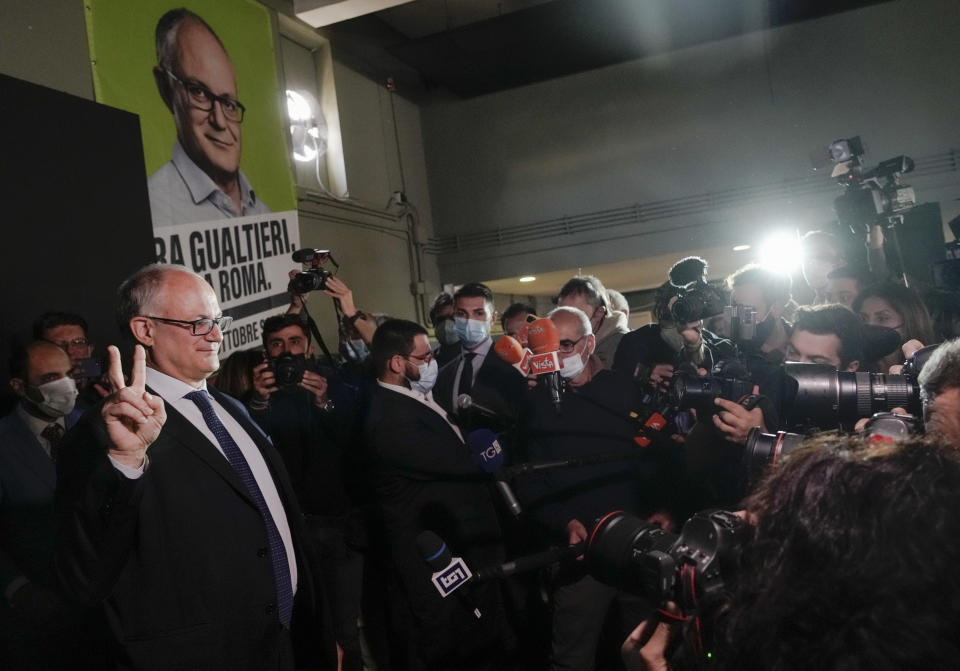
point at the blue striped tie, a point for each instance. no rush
(278, 553)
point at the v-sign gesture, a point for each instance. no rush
(133, 416)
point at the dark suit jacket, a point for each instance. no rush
(28, 479)
(180, 555)
(426, 480)
(497, 386)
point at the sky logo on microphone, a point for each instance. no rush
(452, 577)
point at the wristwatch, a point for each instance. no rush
(354, 317)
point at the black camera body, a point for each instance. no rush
(288, 369)
(696, 301)
(638, 557)
(313, 276)
(699, 392)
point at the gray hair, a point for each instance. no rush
(942, 370)
(579, 314)
(140, 290)
(168, 28)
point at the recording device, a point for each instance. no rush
(764, 451)
(698, 392)
(466, 402)
(313, 276)
(743, 322)
(819, 396)
(545, 343)
(485, 447)
(698, 300)
(510, 349)
(871, 196)
(690, 569)
(450, 573)
(90, 368)
(288, 369)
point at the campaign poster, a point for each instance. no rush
(202, 76)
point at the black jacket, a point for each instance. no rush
(179, 555)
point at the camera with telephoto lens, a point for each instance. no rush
(313, 276)
(764, 451)
(690, 569)
(817, 396)
(696, 301)
(288, 369)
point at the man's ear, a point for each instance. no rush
(591, 344)
(18, 386)
(396, 364)
(143, 330)
(164, 86)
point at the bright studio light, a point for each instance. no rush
(780, 253)
(308, 128)
(527, 278)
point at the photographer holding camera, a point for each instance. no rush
(849, 565)
(290, 402)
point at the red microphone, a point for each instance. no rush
(511, 351)
(545, 343)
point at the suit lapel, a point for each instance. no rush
(180, 429)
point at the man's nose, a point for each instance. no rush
(215, 335)
(217, 117)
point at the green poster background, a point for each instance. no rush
(122, 55)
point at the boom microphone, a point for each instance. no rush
(545, 342)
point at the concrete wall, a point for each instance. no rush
(725, 115)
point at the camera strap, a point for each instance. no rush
(316, 334)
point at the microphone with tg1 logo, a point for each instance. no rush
(484, 445)
(449, 573)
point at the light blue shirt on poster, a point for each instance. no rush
(182, 193)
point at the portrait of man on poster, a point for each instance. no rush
(195, 77)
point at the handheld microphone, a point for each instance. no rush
(450, 573)
(545, 342)
(466, 402)
(483, 444)
(515, 354)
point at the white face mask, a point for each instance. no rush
(428, 377)
(59, 397)
(572, 366)
(447, 332)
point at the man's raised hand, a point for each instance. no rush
(133, 416)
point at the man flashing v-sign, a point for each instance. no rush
(175, 510)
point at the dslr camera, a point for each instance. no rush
(313, 276)
(288, 369)
(698, 300)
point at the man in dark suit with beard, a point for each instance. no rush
(175, 510)
(427, 480)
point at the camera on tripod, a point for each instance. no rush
(313, 276)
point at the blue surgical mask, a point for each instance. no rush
(428, 377)
(472, 332)
(447, 332)
(354, 349)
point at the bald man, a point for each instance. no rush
(37, 628)
(177, 513)
(196, 80)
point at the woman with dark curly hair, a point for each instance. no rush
(897, 307)
(853, 564)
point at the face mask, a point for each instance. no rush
(815, 273)
(355, 349)
(471, 331)
(428, 377)
(59, 397)
(572, 366)
(447, 332)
